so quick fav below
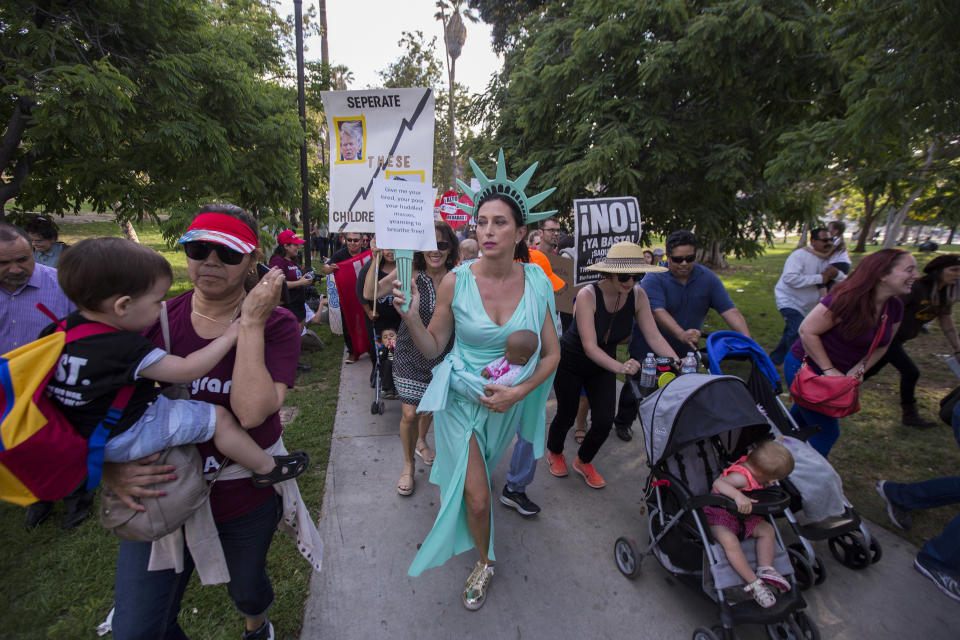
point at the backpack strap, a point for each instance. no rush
(84, 330)
(98, 439)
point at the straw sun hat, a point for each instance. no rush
(625, 257)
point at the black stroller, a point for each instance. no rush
(848, 538)
(382, 377)
(694, 427)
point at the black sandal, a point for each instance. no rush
(624, 432)
(288, 467)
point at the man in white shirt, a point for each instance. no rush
(798, 289)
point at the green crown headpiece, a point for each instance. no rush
(512, 189)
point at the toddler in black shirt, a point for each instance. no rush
(122, 284)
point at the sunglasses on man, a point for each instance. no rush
(681, 259)
(200, 250)
(626, 277)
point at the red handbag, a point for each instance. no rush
(834, 396)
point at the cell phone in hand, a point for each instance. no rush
(263, 270)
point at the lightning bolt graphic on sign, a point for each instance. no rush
(405, 125)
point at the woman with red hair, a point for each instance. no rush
(835, 337)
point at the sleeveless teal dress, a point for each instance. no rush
(457, 415)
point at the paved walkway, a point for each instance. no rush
(556, 576)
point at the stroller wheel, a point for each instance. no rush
(819, 571)
(876, 550)
(786, 629)
(702, 633)
(802, 570)
(724, 634)
(381, 407)
(807, 627)
(627, 554)
(373, 407)
(850, 550)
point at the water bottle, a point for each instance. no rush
(689, 363)
(648, 375)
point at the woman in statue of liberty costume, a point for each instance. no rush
(474, 421)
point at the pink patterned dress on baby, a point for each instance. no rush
(741, 525)
(502, 372)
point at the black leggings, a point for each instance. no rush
(909, 374)
(601, 388)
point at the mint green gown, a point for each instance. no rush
(452, 397)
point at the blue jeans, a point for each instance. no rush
(147, 602)
(829, 427)
(942, 552)
(523, 466)
(792, 319)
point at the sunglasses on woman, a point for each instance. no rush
(200, 251)
(682, 259)
(442, 245)
(626, 277)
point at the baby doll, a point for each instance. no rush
(769, 462)
(521, 345)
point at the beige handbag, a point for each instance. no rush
(166, 513)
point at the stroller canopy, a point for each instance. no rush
(692, 407)
(720, 344)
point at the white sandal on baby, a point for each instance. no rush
(772, 576)
(761, 593)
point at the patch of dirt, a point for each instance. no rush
(287, 414)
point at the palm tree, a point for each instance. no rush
(454, 36)
(340, 77)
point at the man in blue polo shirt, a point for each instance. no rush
(680, 300)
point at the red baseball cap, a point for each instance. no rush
(289, 237)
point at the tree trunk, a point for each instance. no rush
(711, 256)
(869, 211)
(804, 232)
(322, 15)
(453, 135)
(128, 231)
(905, 209)
(953, 230)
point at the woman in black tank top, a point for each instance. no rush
(604, 313)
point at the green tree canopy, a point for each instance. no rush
(679, 103)
(142, 107)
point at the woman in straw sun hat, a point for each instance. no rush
(603, 318)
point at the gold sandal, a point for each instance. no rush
(475, 591)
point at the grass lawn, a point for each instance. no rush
(59, 584)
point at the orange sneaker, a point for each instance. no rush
(589, 473)
(558, 464)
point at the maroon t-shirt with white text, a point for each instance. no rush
(232, 499)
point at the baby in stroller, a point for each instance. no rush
(769, 462)
(384, 364)
(388, 339)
